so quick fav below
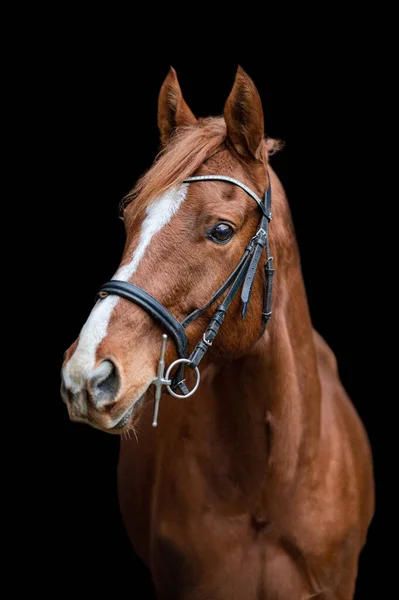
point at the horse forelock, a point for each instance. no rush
(188, 149)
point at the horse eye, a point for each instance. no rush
(222, 233)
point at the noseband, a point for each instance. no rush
(243, 275)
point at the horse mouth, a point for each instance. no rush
(127, 417)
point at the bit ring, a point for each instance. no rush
(176, 362)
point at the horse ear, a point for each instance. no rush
(173, 111)
(243, 114)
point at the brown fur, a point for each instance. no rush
(260, 486)
(190, 147)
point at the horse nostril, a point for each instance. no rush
(105, 383)
(66, 394)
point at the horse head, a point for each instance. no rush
(189, 231)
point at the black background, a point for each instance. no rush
(94, 111)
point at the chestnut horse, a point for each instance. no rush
(260, 484)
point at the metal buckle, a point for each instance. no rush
(260, 232)
(207, 342)
(161, 380)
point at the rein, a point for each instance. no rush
(243, 275)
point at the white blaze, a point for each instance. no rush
(81, 364)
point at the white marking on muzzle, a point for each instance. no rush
(81, 365)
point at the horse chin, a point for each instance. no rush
(132, 414)
(133, 402)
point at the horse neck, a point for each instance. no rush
(268, 401)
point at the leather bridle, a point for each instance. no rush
(243, 275)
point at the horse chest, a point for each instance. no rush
(227, 561)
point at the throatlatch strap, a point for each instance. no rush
(268, 267)
(268, 288)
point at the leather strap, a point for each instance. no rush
(135, 294)
(250, 276)
(268, 267)
(199, 311)
(219, 316)
(268, 288)
(236, 182)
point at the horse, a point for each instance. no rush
(250, 472)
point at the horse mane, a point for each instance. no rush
(188, 149)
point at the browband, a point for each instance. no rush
(265, 208)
